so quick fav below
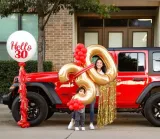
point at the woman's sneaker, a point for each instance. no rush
(71, 124)
(76, 129)
(91, 126)
(83, 128)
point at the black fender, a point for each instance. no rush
(146, 91)
(48, 88)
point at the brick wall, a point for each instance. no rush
(58, 37)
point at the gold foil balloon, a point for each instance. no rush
(82, 80)
(111, 72)
(89, 78)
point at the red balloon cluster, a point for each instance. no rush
(80, 54)
(75, 104)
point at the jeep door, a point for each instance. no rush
(132, 76)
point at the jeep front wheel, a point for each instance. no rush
(37, 108)
(49, 115)
(152, 109)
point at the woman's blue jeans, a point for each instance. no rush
(91, 112)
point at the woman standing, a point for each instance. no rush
(107, 99)
(101, 69)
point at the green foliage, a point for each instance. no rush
(10, 69)
(45, 7)
(92, 6)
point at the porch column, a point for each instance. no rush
(157, 29)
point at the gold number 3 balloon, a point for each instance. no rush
(89, 78)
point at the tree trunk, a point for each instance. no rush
(40, 43)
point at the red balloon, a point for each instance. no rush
(82, 58)
(71, 102)
(77, 57)
(84, 50)
(77, 50)
(80, 45)
(75, 105)
(80, 53)
(71, 107)
(83, 61)
(74, 54)
(81, 107)
(76, 108)
(78, 62)
(75, 100)
(79, 102)
(84, 55)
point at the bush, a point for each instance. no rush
(10, 69)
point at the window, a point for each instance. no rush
(156, 61)
(131, 62)
(140, 39)
(116, 22)
(90, 38)
(140, 22)
(8, 26)
(30, 24)
(12, 23)
(87, 22)
(3, 53)
(95, 22)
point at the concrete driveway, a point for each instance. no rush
(127, 125)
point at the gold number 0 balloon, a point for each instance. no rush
(111, 72)
(88, 80)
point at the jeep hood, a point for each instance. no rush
(42, 77)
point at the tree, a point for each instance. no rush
(44, 9)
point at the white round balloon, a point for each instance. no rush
(21, 46)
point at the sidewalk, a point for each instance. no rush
(126, 126)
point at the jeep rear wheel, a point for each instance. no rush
(37, 108)
(152, 109)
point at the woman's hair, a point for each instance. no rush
(80, 88)
(103, 67)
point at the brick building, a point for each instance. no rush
(136, 25)
(59, 39)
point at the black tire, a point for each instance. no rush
(37, 106)
(10, 107)
(49, 115)
(152, 109)
(142, 112)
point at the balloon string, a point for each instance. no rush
(82, 71)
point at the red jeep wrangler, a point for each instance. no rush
(138, 88)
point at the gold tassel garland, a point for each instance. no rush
(107, 104)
